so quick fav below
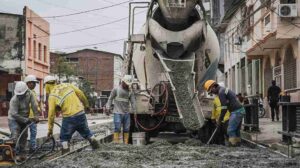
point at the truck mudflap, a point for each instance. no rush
(181, 76)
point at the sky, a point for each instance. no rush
(110, 35)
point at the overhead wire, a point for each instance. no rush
(82, 12)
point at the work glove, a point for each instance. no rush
(28, 122)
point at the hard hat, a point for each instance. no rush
(20, 88)
(208, 84)
(30, 78)
(127, 79)
(49, 78)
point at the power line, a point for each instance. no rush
(79, 46)
(91, 27)
(82, 12)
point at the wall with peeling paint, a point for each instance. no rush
(11, 43)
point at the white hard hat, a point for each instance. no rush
(49, 78)
(127, 79)
(21, 88)
(30, 78)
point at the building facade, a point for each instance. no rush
(37, 35)
(102, 69)
(261, 44)
(18, 46)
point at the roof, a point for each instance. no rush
(87, 49)
(13, 14)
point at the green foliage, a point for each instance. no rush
(87, 89)
(62, 68)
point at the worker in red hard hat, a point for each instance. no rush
(229, 102)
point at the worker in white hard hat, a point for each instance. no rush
(122, 98)
(18, 114)
(72, 103)
(31, 81)
(49, 83)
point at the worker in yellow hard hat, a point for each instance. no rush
(221, 135)
(229, 102)
(72, 103)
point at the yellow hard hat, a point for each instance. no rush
(208, 84)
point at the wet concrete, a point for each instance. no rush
(163, 154)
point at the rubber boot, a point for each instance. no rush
(126, 138)
(65, 148)
(116, 137)
(233, 142)
(94, 143)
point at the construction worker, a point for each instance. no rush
(72, 102)
(31, 81)
(51, 82)
(229, 102)
(122, 97)
(221, 135)
(18, 115)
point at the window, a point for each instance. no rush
(40, 51)
(34, 49)
(45, 54)
(29, 48)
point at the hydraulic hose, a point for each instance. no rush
(39, 148)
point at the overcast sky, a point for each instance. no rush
(72, 41)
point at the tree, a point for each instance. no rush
(62, 68)
(87, 89)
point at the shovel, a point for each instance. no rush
(208, 142)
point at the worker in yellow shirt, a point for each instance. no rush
(31, 81)
(221, 135)
(72, 102)
(51, 82)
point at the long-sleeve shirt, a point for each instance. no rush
(122, 99)
(31, 114)
(274, 93)
(229, 101)
(70, 99)
(216, 112)
(19, 107)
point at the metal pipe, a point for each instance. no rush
(291, 90)
(140, 7)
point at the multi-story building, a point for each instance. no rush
(37, 35)
(261, 43)
(102, 69)
(24, 49)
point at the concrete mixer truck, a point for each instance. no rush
(174, 53)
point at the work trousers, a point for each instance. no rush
(274, 110)
(122, 120)
(16, 129)
(235, 123)
(33, 131)
(74, 123)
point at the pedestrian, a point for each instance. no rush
(122, 98)
(31, 81)
(18, 115)
(229, 102)
(273, 99)
(72, 103)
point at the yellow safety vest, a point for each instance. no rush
(216, 112)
